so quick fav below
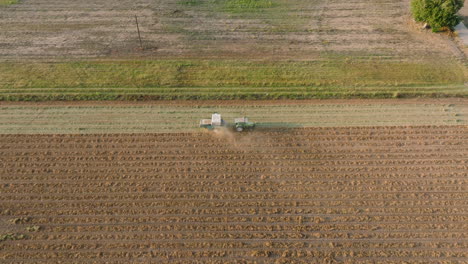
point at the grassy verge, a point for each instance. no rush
(238, 6)
(196, 79)
(8, 2)
(232, 6)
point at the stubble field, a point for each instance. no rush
(354, 194)
(229, 49)
(183, 116)
(211, 29)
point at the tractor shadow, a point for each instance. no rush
(255, 139)
(276, 127)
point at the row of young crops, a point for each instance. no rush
(230, 93)
(357, 195)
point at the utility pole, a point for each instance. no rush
(138, 29)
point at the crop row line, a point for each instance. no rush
(265, 131)
(227, 158)
(286, 233)
(51, 177)
(85, 153)
(211, 144)
(194, 149)
(263, 240)
(371, 136)
(35, 195)
(191, 204)
(44, 182)
(54, 182)
(328, 222)
(215, 193)
(233, 163)
(215, 196)
(188, 146)
(296, 132)
(256, 203)
(276, 172)
(343, 221)
(184, 173)
(242, 165)
(270, 112)
(271, 249)
(101, 119)
(223, 259)
(224, 216)
(252, 210)
(217, 88)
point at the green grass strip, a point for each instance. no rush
(8, 2)
(228, 79)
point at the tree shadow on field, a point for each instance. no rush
(465, 20)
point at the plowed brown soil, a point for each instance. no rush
(315, 195)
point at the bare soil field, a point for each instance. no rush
(310, 195)
(183, 116)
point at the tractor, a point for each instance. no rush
(240, 124)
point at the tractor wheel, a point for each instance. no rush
(239, 129)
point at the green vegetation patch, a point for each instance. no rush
(271, 16)
(232, 6)
(11, 236)
(33, 228)
(190, 2)
(248, 5)
(227, 73)
(437, 13)
(228, 79)
(8, 2)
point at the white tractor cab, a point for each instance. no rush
(215, 121)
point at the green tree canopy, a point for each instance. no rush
(437, 13)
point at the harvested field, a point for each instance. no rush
(284, 30)
(353, 195)
(183, 116)
(210, 49)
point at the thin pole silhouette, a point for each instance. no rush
(138, 29)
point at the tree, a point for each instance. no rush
(437, 13)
